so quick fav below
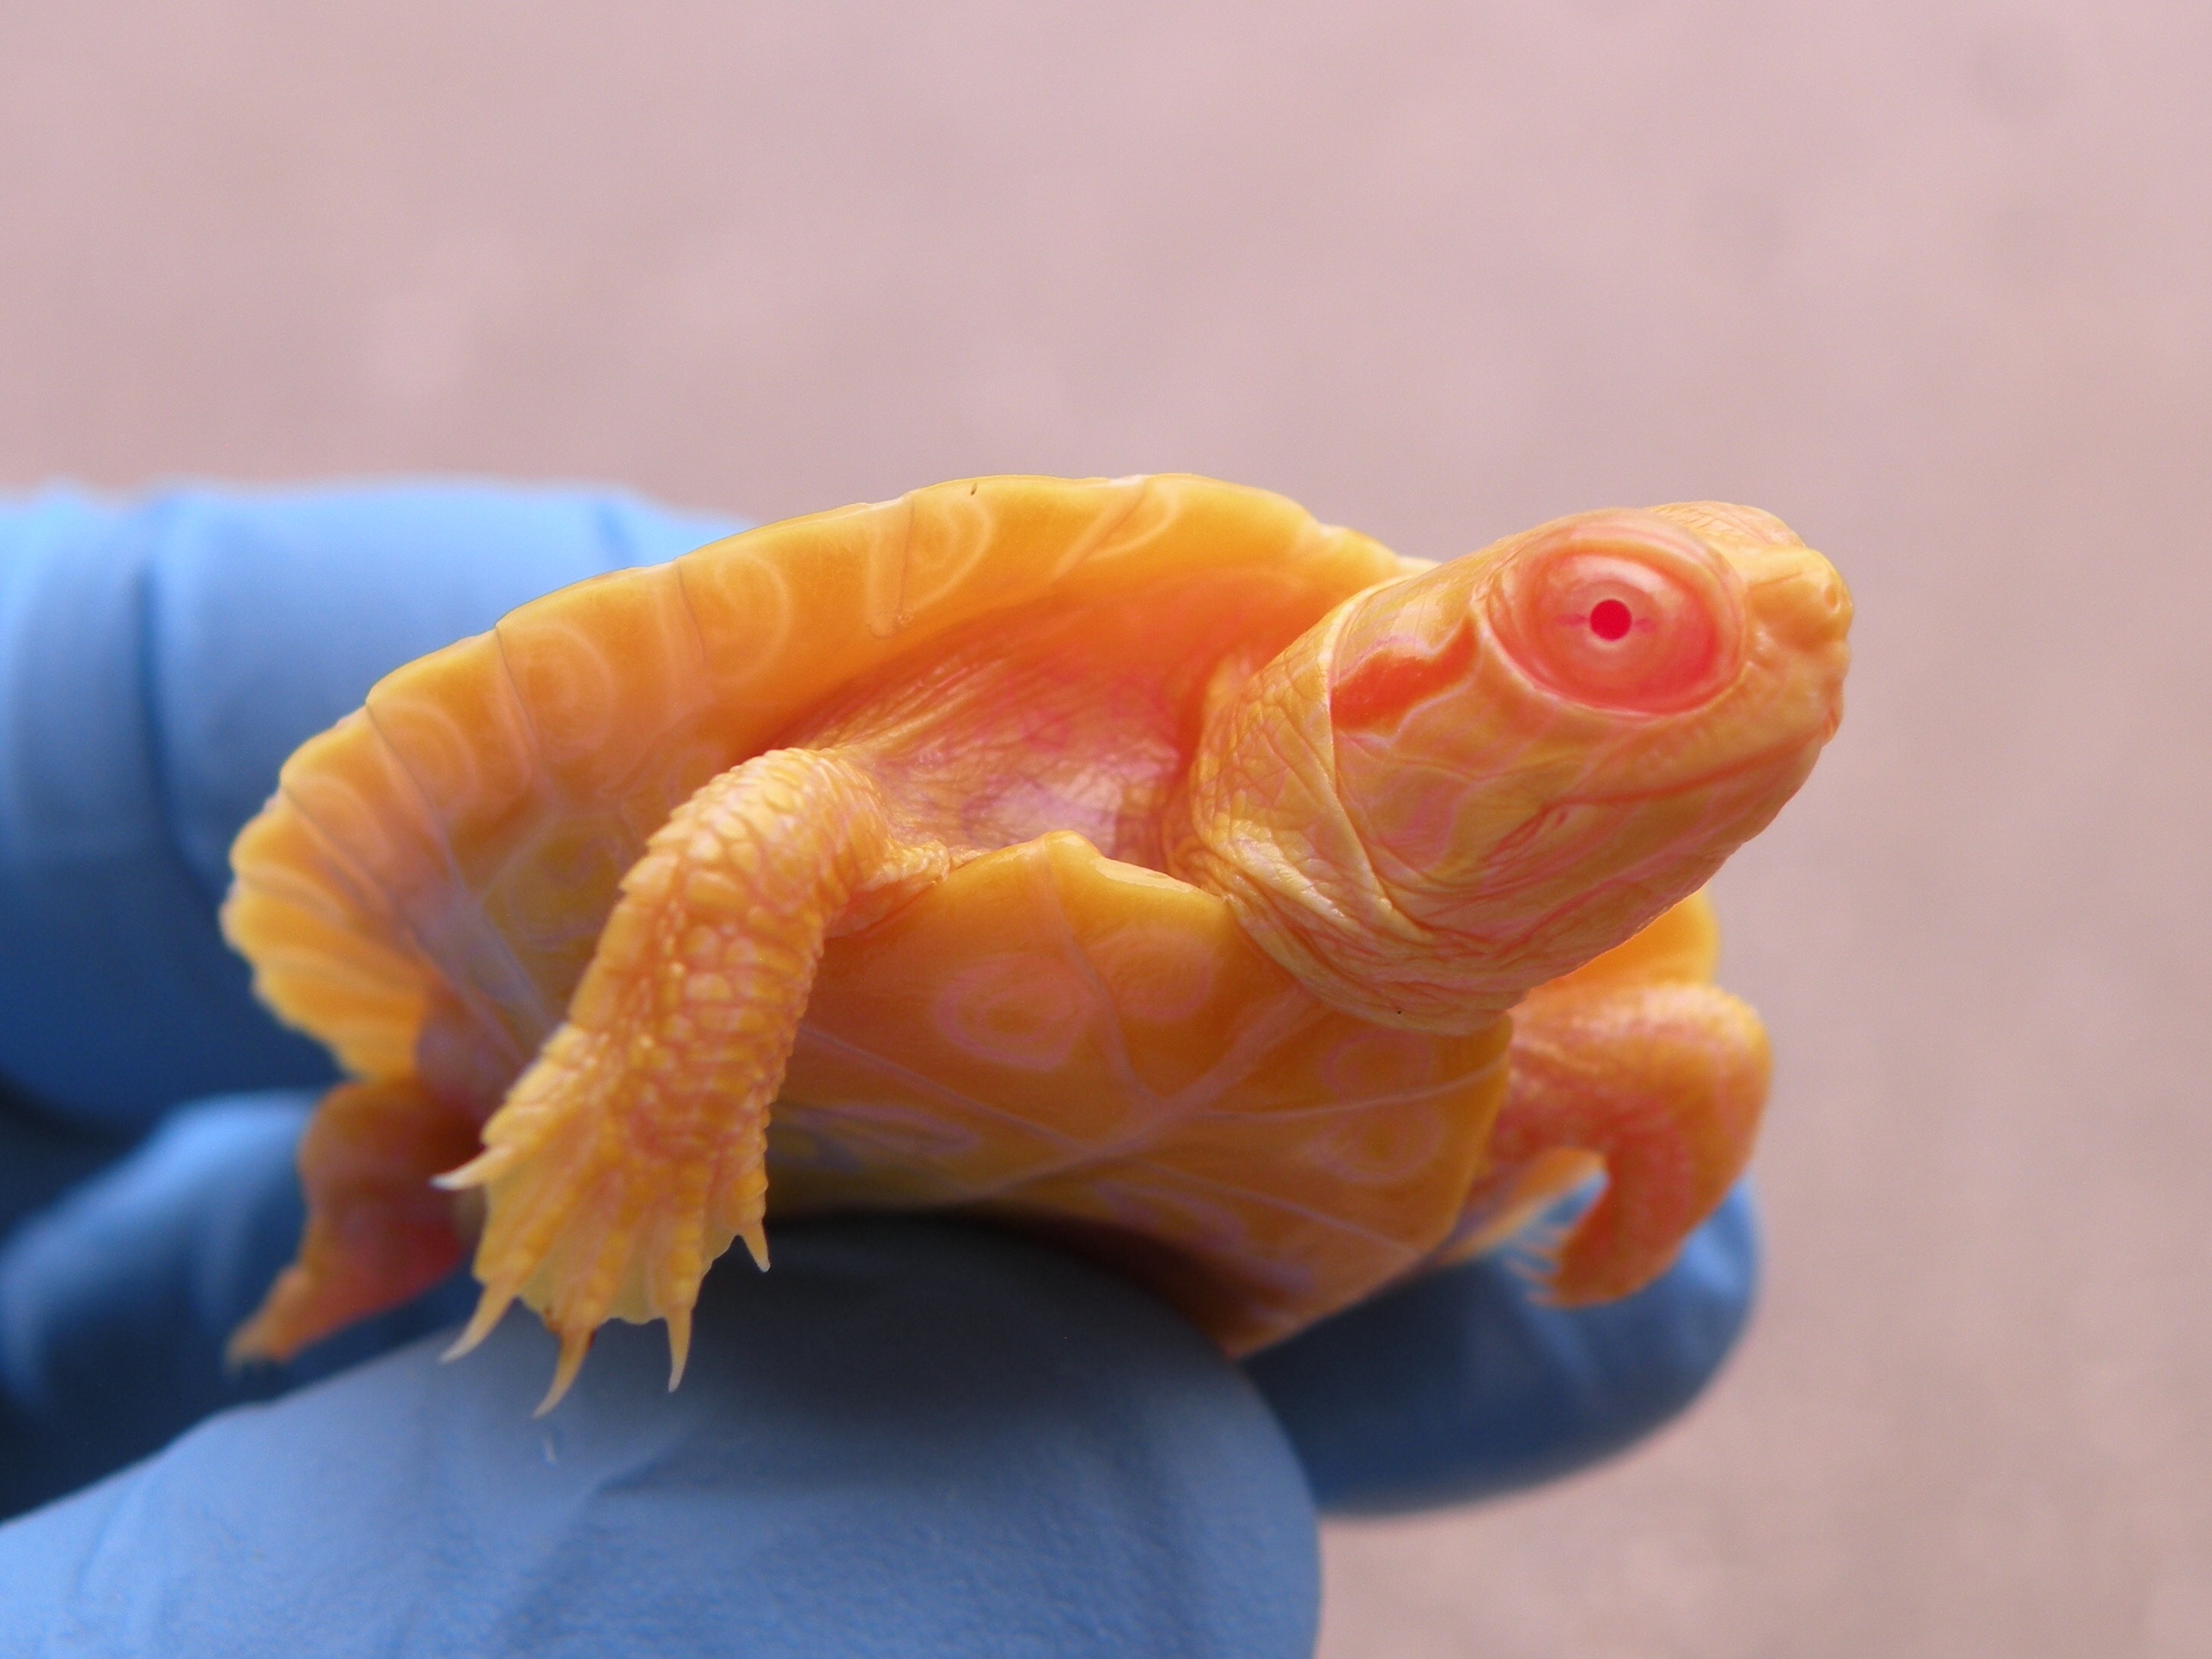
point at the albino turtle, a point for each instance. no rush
(1138, 861)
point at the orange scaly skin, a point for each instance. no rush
(1138, 861)
(1638, 1067)
(634, 1151)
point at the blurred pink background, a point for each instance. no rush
(1933, 283)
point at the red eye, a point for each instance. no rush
(1610, 619)
(1623, 611)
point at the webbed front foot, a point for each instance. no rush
(632, 1151)
(606, 1198)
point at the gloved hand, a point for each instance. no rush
(913, 1437)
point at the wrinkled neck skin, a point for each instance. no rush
(1465, 782)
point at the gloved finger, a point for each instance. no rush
(115, 1304)
(115, 1310)
(157, 663)
(1463, 1383)
(910, 1438)
(42, 1157)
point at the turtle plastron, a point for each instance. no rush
(632, 1151)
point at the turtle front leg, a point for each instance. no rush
(626, 1158)
(1661, 1086)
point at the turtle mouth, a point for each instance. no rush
(1622, 611)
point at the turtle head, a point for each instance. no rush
(1528, 753)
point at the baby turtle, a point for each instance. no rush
(1138, 861)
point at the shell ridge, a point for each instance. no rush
(317, 907)
(318, 968)
(708, 568)
(283, 970)
(366, 891)
(1136, 490)
(698, 632)
(370, 896)
(521, 704)
(699, 695)
(281, 884)
(693, 696)
(883, 613)
(528, 720)
(472, 910)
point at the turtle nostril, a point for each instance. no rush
(1609, 619)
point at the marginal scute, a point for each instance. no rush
(604, 672)
(462, 735)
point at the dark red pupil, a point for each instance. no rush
(1609, 619)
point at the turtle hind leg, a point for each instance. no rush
(632, 1152)
(1664, 1084)
(378, 1232)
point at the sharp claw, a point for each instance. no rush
(491, 1307)
(484, 1168)
(575, 1344)
(756, 1243)
(679, 1344)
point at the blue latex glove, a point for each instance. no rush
(913, 1437)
